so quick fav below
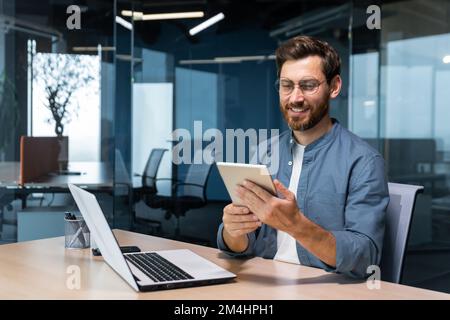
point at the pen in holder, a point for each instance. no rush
(77, 233)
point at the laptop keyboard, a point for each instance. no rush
(156, 267)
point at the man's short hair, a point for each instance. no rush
(303, 46)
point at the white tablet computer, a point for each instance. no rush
(234, 174)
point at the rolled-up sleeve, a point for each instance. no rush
(359, 245)
(223, 247)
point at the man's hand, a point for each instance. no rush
(237, 222)
(284, 214)
(281, 214)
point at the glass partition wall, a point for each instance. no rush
(394, 75)
(192, 89)
(57, 77)
(400, 105)
(159, 97)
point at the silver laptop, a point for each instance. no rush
(146, 271)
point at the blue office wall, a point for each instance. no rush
(219, 95)
(223, 96)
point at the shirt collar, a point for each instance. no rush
(322, 141)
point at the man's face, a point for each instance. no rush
(308, 101)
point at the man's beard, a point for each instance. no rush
(315, 116)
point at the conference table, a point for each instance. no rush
(94, 176)
(42, 269)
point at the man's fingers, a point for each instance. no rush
(232, 209)
(243, 225)
(240, 218)
(251, 200)
(260, 192)
(288, 195)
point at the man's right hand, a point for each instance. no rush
(237, 222)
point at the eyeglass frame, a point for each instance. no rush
(278, 81)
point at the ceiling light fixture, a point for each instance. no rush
(170, 16)
(237, 59)
(206, 24)
(124, 23)
(79, 49)
(138, 15)
(128, 13)
(446, 59)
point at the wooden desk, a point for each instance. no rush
(37, 270)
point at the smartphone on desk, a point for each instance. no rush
(125, 249)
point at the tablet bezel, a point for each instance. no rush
(235, 173)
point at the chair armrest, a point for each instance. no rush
(137, 175)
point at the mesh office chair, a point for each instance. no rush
(149, 189)
(398, 221)
(186, 195)
(6, 199)
(151, 171)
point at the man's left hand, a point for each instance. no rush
(281, 214)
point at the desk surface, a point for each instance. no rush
(94, 174)
(37, 270)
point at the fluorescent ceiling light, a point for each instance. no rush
(124, 23)
(228, 60)
(127, 57)
(198, 61)
(137, 15)
(206, 24)
(128, 13)
(446, 59)
(77, 49)
(239, 59)
(169, 16)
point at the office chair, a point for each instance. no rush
(398, 221)
(149, 189)
(6, 200)
(186, 195)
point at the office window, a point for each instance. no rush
(152, 125)
(68, 85)
(364, 103)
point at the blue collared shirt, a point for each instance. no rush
(343, 188)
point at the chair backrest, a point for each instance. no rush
(398, 221)
(401, 155)
(151, 169)
(40, 156)
(195, 181)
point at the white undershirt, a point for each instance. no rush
(286, 244)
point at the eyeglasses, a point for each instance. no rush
(307, 86)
